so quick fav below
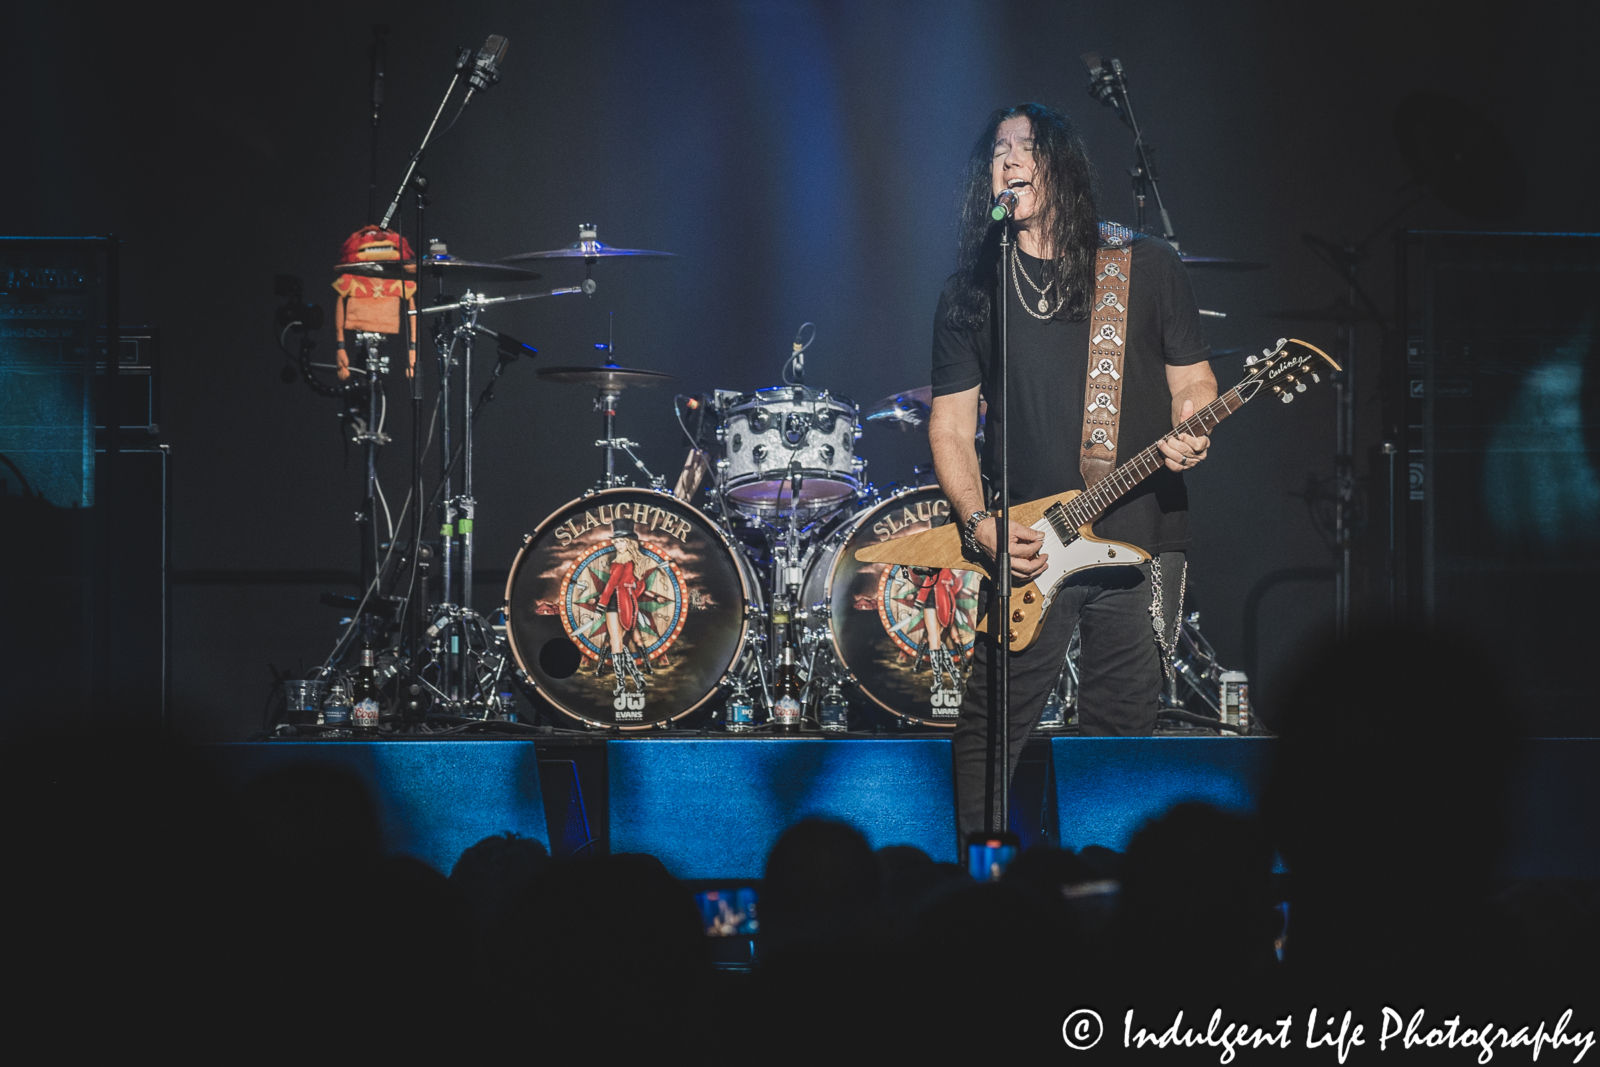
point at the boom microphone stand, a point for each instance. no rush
(1109, 85)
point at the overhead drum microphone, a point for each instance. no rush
(1103, 78)
(485, 66)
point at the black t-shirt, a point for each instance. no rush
(1048, 362)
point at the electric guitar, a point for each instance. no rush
(1066, 520)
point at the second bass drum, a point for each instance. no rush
(903, 635)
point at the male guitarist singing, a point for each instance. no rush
(1148, 373)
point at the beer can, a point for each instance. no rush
(1236, 700)
(786, 711)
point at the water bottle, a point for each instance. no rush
(1236, 700)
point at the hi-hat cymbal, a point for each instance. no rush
(1219, 263)
(584, 250)
(459, 270)
(609, 376)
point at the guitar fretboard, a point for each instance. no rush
(1090, 505)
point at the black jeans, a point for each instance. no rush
(1119, 685)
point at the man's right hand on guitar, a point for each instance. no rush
(1026, 562)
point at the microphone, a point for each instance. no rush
(1004, 204)
(485, 67)
(1103, 78)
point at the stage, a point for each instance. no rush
(710, 808)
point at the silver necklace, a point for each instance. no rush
(1045, 310)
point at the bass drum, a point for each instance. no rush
(627, 607)
(887, 622)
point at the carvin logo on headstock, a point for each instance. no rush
(923, 511)
(644, 516)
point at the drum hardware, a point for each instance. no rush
(1061, 703)
(610, 381)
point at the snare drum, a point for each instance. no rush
(627, 607)
(770, 435)
(887, 624)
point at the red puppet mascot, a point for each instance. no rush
(370, 304)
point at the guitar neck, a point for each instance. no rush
(1091, 504)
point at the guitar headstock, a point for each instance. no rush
(1286, 369)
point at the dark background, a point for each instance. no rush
(801, 158)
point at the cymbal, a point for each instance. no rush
(1219, 263)
(907, 410)
(459, 270)
(609, 376)
(1457, 154)
(1338, 312)
(584, 250)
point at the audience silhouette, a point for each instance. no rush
(141, 883)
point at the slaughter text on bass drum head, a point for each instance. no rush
(890, 623)
(627, 607)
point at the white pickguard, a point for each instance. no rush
(1081, 554)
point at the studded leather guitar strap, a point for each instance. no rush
(1108, 335)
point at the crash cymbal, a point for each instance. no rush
(908, 410)
(1457, 154)
(607, 377)
(1338, 312)
(459, 270)
(1219, 263)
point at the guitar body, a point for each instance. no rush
(1282, 370)
(941, 547)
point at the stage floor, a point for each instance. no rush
(710, 808)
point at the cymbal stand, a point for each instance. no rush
(606, 403)
(369, 434)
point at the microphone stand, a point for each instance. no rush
(1000, 715)
(416, 157)
(1109, 85)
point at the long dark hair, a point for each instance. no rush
(1072, 224)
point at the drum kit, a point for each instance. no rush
(637, 605)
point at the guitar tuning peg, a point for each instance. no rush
(1316, 377)
(1288, 398)
(1299, 387)
(1251, 361)
(1282, 341)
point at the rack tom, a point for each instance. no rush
(770, 436)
